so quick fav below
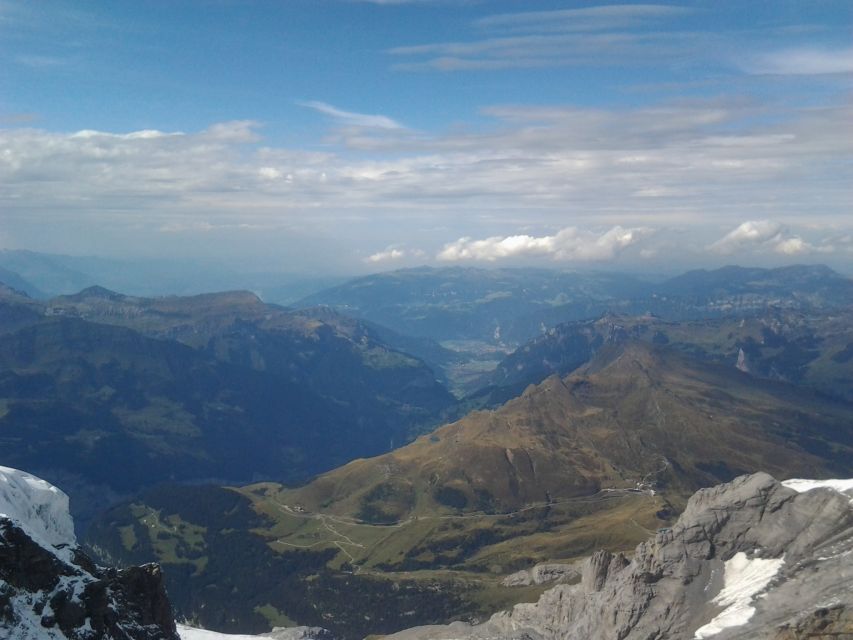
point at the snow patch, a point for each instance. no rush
(28, 624)
(191, 633)
(743, 580)
(279, 633)
(38, 507)
(801, 485)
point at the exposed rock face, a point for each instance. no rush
(703, 578)
(51, 590)
(43, 595)
(542, 574)
(279, 633)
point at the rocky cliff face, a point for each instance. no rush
(50, 590)
(748, 559)
(49, 595)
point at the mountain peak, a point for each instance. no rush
(97, 291)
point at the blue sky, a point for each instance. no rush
(346, 135)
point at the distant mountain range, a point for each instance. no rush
(43, 275)
(514, 305)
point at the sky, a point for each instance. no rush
(348, 136)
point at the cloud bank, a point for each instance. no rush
(670, 165)
(569, 244)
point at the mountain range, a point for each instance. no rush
(111, 393)
(511, 306)
(595, 459)
(587, 434)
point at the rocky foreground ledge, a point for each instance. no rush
(753, 558)
(748, 559)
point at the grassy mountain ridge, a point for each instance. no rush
(608, 424)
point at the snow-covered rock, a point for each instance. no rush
(37, 507)
(279, 633)
(50, 590)
(802, 485)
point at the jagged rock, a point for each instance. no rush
(830, 623)
(45, 596)
(700, 579)
(279, 633)
(599, 567)
(50, 589)
(542, 574)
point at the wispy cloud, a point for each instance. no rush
(586, 19)
(352, 118)
(613, 34)
(801, 61)
(569, 244)
(547, 50)
(393, 2)
(40, 61)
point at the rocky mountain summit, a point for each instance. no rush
(753, 558)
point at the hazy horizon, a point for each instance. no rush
(344, 137)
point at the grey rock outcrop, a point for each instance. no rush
(748, 559)
(542, 574)
(300, 633)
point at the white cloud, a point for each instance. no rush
(802, 61)
(766, 235)
(390, 254)
(353, 119)
(678, 164)
(749, 234)
(588, 18)
(793, 246)
(569, 244)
